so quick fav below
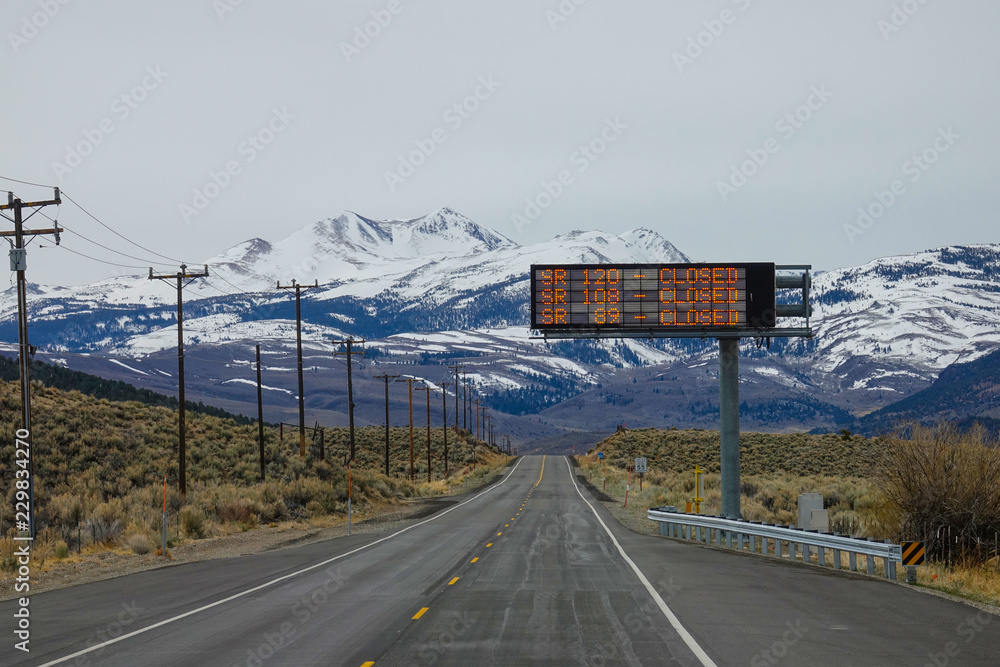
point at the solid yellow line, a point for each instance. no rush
(475, 559)
(415, 617)
(452, 582)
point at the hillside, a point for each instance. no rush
(93, 457)
(66, 379)
(679, 451)
(965, 393)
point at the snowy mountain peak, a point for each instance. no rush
(640, 246)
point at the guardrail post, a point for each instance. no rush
(734, 534)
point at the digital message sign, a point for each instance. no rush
(661, 298)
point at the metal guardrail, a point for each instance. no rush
(743, 536)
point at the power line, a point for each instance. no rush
(37, 185)
(101, 245)
(121, 236)
(102, 261)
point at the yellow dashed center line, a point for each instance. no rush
(370, 663)
(415, 617)
(506, 525)
(475, 559)
(500, 533)
(452, 582)
(489, 545)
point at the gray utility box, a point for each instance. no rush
(807, 503)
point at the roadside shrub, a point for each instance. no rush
(105, 522)
(193, 523)
(139, 543)
(61, 550)
(936, 483)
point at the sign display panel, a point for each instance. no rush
(656, 297)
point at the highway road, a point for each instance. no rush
(530, 571)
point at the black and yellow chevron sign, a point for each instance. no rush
(913, 553)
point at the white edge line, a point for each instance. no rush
(279, 579)
(698, 651)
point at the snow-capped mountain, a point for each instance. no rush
(883, 324)
(352, 248)
(440, 288)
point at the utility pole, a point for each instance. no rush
(298, 345)
(444, 421)
(260, 416)
(180, 277)
(729, 425)
(410, 381)
(466, 399)
(428, 390)
(19, 263)
(350, 383)
(477, 419)
(386, 377)
(456, 368)
(322, 445)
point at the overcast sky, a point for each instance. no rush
(647, 111)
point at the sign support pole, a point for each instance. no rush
(729, 425)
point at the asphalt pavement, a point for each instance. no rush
(530, 571)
